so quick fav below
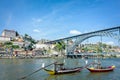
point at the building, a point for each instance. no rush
(9, 33)
(41, 46)
(3, 38)
(42, 41)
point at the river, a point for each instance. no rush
(14, 69)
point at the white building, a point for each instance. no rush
(9, 33)
(3, 38)
(41, 46)
(20, 44)
(46, 46)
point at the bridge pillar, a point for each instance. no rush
(67, 48)
(119, 36)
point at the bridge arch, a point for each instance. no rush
(82, 38)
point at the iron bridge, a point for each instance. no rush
(110, 32)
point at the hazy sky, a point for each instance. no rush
(54, 19)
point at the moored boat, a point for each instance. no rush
(102, 69)
(61, 70)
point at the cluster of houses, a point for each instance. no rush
(9, 35)
(17, 39)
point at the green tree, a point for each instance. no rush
(1, 44)
(15, 46)
(104, 45)
(84, 49)
(60, 47)
(28, 38)
(99, 49)
(8, 44)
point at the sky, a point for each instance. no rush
(55, 19)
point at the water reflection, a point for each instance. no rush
(98, 76)
(53, 77)
(60, 76)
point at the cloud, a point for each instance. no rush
(110, 43)
(36, 30)
(37, 20)
(75, 32)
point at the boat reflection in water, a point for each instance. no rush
(99, 75)
(60, 76)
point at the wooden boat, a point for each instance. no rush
(61, 70)
(102, 69)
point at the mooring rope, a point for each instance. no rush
(35, 71)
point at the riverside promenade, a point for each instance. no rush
(41, 54)
(24, 54)
(95, 55)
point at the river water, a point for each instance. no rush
(14, 69)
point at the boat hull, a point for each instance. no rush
(63, 71)
(51, 72)
(107, 69)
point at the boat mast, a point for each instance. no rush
(99, 62)
(101, 44)
(99, 52)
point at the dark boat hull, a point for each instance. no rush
(68, 71)
(107, 69)
(63, 71)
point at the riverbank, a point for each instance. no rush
(36, 54)
(22, 56)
